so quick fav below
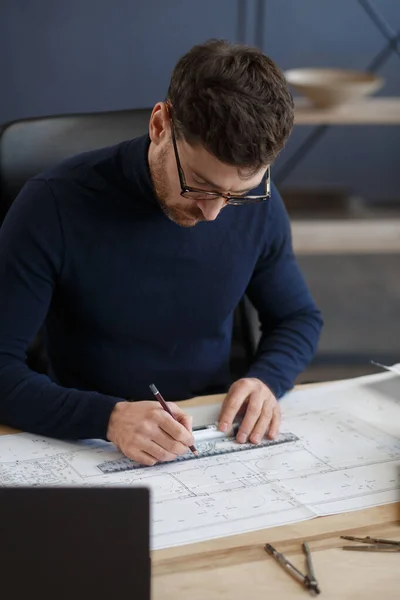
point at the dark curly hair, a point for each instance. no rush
(233, 100)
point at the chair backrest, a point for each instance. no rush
(29, 146)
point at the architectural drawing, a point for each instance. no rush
(326, 461)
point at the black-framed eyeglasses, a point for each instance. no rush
(198, 194)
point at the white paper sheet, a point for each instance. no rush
(346, 457)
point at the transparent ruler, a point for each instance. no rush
(211, 447)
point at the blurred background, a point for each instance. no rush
(340, 172)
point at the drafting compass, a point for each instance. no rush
(308, 581)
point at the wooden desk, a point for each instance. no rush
(238, 568)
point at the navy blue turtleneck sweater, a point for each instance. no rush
(126, 297)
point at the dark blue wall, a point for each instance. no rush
(61, 56)
(90, 55)
(330, 33)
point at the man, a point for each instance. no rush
(136, 256)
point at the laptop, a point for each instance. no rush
(75, 543)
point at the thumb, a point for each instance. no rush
(186, 421)
(182, 417)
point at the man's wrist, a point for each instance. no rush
(272, 382)
(114, 419)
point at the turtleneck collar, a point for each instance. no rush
(135, 167)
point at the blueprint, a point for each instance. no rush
(339, 450)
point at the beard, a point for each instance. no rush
(182, 214)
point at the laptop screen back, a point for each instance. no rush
(75, 543)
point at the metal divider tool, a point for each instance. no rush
(371, 544)
(309, 580)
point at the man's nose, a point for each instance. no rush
(211, 208)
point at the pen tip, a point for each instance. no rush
(153, 388)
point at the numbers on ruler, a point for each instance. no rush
(227, 446)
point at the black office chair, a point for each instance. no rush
(30, 146)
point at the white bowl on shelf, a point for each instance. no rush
(332, 87)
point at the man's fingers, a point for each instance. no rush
(168, 443)
(162, 448)
(140, 457)
(275, 423)
(231, 405)
(252, 416)
(177, 430)
(186, 421)
(183, 418)
(156, 451)
(262, 425)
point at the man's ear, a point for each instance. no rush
(159, 126)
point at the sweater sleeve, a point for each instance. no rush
(290, 321)
(31, 263)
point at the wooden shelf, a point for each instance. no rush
(371, 111)
(351, 236)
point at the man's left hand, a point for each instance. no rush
(262, 410)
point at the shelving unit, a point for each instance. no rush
(350, 260)
(348, 236)
(371, 111)
(351, 236)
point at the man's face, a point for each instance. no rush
(201, 169)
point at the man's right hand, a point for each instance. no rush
(146, 433)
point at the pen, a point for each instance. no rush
(165, 406)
